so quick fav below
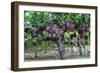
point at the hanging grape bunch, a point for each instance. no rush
(69, 25)
(49, 27)
(82, 29)
(53, 29)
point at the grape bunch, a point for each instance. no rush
(34, 31)
(69, 25)
(53, 29)
(82, 29)
(49, 27)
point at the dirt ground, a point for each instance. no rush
(54, 55)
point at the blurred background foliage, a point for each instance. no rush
(35, 19)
